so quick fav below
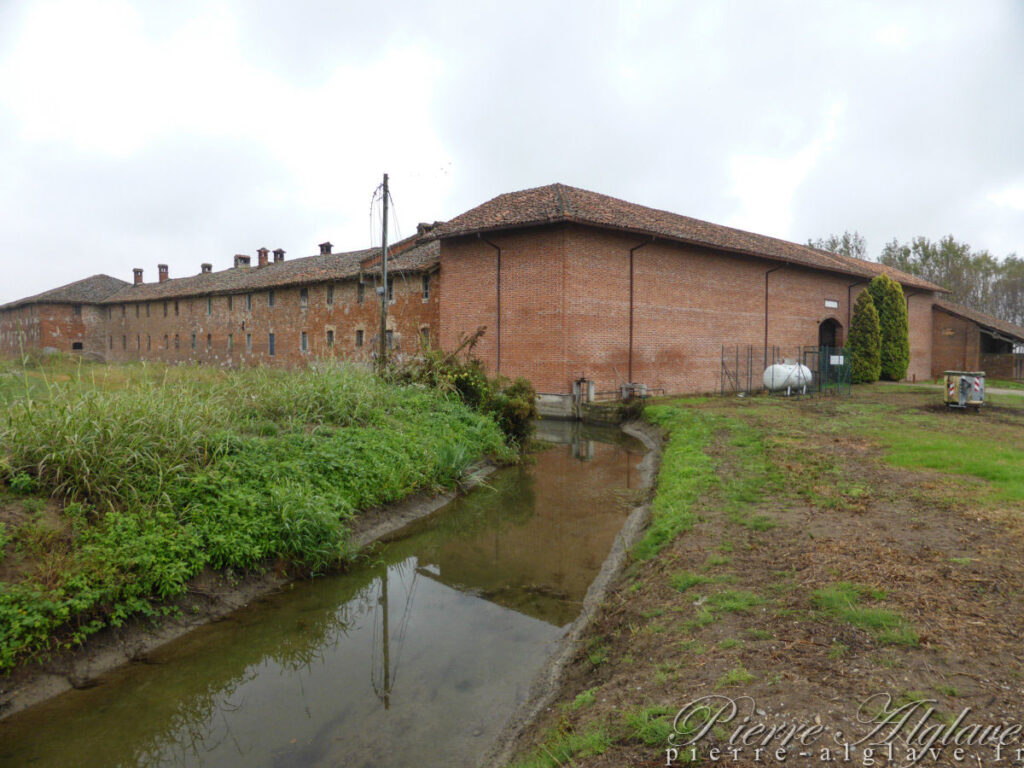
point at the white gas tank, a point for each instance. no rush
(787, 375)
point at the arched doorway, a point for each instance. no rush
(830, 333)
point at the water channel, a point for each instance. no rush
(417, 658)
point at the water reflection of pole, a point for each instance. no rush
(387, 641)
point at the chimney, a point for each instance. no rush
(138, 275)
(162, 271)
(422, 228)
(241, 260)
(278, 255)
(325, 249)
(261, 256)
(205, 268)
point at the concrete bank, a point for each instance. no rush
(546, 684)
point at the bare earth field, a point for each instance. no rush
(849, 564)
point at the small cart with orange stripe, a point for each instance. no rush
(965, 389)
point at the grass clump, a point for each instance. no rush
(650, 726)
(735, 676)
(735, 601)
(842, 602)
(562, 745)
(164, 473)
(584, 699)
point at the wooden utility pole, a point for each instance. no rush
(383, 355)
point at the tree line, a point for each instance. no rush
(976, 279)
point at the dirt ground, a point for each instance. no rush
(736, 610)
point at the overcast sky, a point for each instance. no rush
(137, 133)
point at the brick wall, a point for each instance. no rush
(565, 308)
(956, 343)
(235, 329)
(70, 328)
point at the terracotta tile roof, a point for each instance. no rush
(302, 271)
(988, 321)
(88, 291)
(560, 203)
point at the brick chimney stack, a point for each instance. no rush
(138, 275)
(278, 255)
(241, 260)
(261, 255)
(162, 271)
(325, 249)
(205, 268)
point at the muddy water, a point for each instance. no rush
(416, 658)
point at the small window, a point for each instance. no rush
(138, 343)
(76, 310)
(359, 335)
(177, 341)
(209, 342)
(230, 302)
(270, 299)
(175, 307)
(425, 335)
(147, 309)
(304, 297)
(167, 341)
(110, 342)
(361, 292)
(426, 287)
(330, 293)
(389, 338)
(165, 309)
(193, 341)
(76, 345)
(231, 341)
(248, 343)
(124, 310)
(209, 305)
(271, 343)
(330, 339)
(248, 302)
(149, 343)
(391, 292)
(304, 342)
(124, 342)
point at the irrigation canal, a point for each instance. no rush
(416, 658)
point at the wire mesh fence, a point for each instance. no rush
(790, 371)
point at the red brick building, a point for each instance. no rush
(966, 340)
(570, 285)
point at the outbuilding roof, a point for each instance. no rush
(89, 290)
(989, 322)
(561, 203)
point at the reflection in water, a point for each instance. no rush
(415, 658)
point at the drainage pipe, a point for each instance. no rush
(633, 250)
(497, 311)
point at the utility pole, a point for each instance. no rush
(383, 356)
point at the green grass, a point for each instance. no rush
(1004, 384)
(685, 580)
(841, 602)
(686, 472)
(584, 699)
(561, 746)
(735, 676)
(164, 474)
(735, 601)
(651, 726)
(960, 454)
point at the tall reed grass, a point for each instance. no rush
(166, 473)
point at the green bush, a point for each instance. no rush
(893, 324)
(864, 344)
(515, 410)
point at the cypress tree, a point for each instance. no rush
(864, 344)
(892, 321)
